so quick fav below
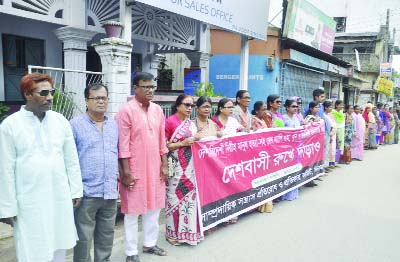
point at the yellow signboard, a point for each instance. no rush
(385, 86)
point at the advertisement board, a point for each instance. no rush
(386, 69)
(385, 86)
(307, 24)
(235, 16)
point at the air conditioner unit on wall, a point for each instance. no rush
(270, 63)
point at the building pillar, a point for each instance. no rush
(244, 63)
(75, 48)
(115, 55)
(201, 60)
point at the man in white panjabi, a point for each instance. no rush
(40, 178)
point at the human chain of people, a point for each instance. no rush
(150, 163)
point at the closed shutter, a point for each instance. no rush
(300, 81)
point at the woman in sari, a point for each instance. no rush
(396, 126)
(387, 124)
(204, 126)
(272, 117)
(371, 125)
(340, 119)
(330, 133)
(241, 110)
(229, 126)
(328, 107)
(181, 208)
(224, 120)
(290, 119)
(257, 123)
(392, 126)
(345, 158)
(259, 111)
(357, 142)
(312, 113)
(312, 116)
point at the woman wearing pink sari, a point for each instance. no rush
(181, 208)
(357, 143)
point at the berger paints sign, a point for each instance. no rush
(237, 16)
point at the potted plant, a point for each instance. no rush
(113, 28)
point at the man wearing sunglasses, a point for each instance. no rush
(144, 170)
(40, 177)
(96, 138)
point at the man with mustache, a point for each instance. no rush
(144, 170)
(40, 177)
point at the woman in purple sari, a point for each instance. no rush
(181, 208)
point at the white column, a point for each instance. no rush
(75, 13)
(75, 48)
(204, 66)
(244, 63)
(125, 17)
(115, 54)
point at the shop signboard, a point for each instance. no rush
(386, 69)
(385, 86)
(307, 24)
(235, 16)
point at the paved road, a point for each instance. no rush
(353, 215)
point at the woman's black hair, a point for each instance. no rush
(178, 102)
(338, 102)
(356, 106)
(289, 102)
(270, 99)
(347, 107)
(326, 104)
(257, 107)
(222, 103)
(311, 105)
(202, 100)
(239, 94)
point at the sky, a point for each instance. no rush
(362, 15)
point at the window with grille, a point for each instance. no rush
(340, 24)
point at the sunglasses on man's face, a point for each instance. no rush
(46, 92)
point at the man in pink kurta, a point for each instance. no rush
(143, 165)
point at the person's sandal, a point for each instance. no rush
(134, 258)
(155, 250)
(173, 242)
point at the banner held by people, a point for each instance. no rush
(236, 174)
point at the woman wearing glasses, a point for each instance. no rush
(181, 206)
(273, 118)
(224, 120)
(204, 126)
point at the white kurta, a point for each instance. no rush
(39, 177)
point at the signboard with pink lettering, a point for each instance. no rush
(239, 173)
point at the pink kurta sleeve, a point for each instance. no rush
(168, 128)
(124, 127)
(163, 143)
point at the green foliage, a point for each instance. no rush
(63, 104)
(205, 89)
(3, 112)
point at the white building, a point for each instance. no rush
(69, 34)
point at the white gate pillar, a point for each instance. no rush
(115, 55)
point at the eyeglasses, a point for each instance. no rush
(246, 97)
(230, 107)
(147, 88)
(189, 105)
(46, 92)
(278, 102)
(98, 98)
(205, 107)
